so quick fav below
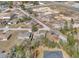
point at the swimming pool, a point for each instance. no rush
(53, 54)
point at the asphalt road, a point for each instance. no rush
(15, 29)
(26, 13)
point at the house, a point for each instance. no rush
(13, 21)
(8, 15)
(4, 36)
(62, 17)
(56, 36)
(5, 16)
(63, 38)
(39, 34)
(46, 17)
(57, 26)
(24, 35)
(43, 11)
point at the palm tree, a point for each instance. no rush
(66, 26)
(46, 34)
(72, 21)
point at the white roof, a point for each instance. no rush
(24, 34)
(5, 16)
(75, 25)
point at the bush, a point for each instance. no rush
(50, 44)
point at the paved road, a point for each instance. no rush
(28, 29)
(26, 13)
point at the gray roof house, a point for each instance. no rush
(39, 34)
(24, 35)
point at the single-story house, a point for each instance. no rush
(5, 16)
(5, 36)
(57, 36)
(42, 9)
(24, 35)
(13, 21)
(39, 34)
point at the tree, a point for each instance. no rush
(34, 28)
(66, 26)
(46, 34)
(49, 43)
(23, 6)
(62, 30)
(72, 21)
(18, 52)
(10, 4)
(75, 30)
(36, 2)
(25, 19)
(71, 39)
(29, 10)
